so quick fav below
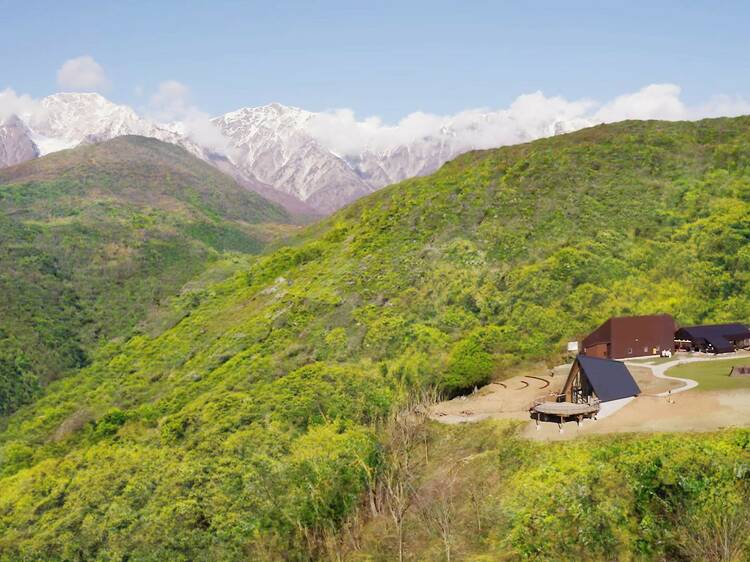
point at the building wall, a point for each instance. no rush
(602, 335)
(642, 335)
(597, 350)
(631, 336)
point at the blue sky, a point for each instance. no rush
(380, 58)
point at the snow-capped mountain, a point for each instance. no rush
(423, 156)
(16, 144)
(276, 150)
(66, 120)
(272, 144)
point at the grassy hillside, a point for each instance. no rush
(93, 237)
(253, 426)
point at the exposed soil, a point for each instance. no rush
(689, 411)
(653, 410)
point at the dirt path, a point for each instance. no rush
(660, 369)
(512, 398)
(700, 411)
(507, 400)
(664, 404)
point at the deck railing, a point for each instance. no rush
(552, 397)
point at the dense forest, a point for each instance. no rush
(278, 413)
(95, 237)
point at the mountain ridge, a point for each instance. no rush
(16, 142)
(277, 146)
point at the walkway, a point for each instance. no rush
(659, 371)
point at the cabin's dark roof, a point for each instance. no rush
(610, 380)
(718, 335)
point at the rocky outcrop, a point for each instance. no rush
(16, 144)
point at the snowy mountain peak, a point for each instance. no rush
(274, 116)
(271, 143)
(67, 119)
(324, 160)
(82, 97)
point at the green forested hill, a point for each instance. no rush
(95, 236)
(251, 427)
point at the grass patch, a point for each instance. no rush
(713, 375)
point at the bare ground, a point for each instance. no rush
(690, 411)
(687, 411)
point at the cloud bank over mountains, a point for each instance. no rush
(322, 159)
(341, 131)
(23, 106)
(171, 104)
(529, 116)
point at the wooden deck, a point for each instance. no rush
(566, 409)
(550, 409)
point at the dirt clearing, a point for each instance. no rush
(654, 410)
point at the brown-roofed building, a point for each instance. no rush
(631, 336)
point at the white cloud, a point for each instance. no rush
(530, 116)
(82, 74)
(171, 103)
(722, 106)
(657, 101)
(23, 106)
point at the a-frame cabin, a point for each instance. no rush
(591, 381)
(592, 378)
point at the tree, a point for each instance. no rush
(439, 513)
(716, 534)
(402, 458)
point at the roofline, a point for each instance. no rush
(597, 358)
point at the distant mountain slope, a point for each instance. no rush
(66, 120)
(93, 237)
(248, 427)
(281, 148)
(16, 144)
(272, 144)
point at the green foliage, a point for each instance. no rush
(95, 237)
(627, 498)
(329, 465)
(472, 360)
(18, 384)
(619, 497)
(110, 423)
(241, 425)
